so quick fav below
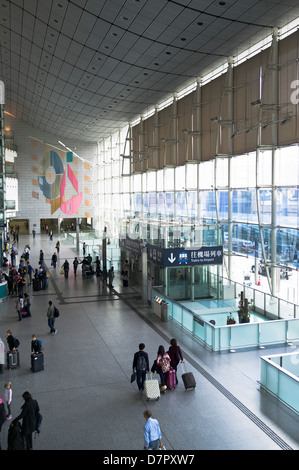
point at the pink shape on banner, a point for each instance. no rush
(72, 177)
(72, 205)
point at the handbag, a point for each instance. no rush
(133, 377)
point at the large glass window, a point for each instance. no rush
(206, 175)
(191, 176)
(243, 171)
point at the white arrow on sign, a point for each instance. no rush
(171, 259)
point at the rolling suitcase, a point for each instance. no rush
(25, 314)
(36, 284)
(170, 379)
(37, 362)
(151, 389)
(188, 378)
(13, 359)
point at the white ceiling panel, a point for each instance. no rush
(68, 64)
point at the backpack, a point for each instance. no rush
(40, 344)
(141, 363)
(56, 312)
(165, 363)
(17, 343)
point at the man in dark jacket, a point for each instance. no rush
(141, 366)
(30, 410)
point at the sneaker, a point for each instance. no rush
(55, 332)
(8, 417)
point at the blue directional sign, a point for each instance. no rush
(185, 257)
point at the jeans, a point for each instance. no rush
(154, 445)
(140, 378)
(161, 377)
(51, 322)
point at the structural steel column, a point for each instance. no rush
(2, 176)
(274, 268)
(230, 102)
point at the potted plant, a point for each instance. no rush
(244, 308)
(230, 320)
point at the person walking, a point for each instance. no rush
(140, 366)
(54, 260)
(51, 318)
(19, 306)
(163, 365)
(111, 276)
(29, 272)
(75, 264)
(8, 398)
(98, 266)
(175, 355)
(30, 410)
(151, 432)
(58, 247)
(66, 267)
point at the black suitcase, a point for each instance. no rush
(188, 378)
(37, 362)
(13, 359)
(36, 284)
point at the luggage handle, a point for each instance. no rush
(183, 364)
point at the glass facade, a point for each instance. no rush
(197, 193)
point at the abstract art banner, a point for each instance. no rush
(62, 179)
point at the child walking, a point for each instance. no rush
(8, 398)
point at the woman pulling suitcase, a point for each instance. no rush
(175, 355)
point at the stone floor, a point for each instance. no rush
(85, 394)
